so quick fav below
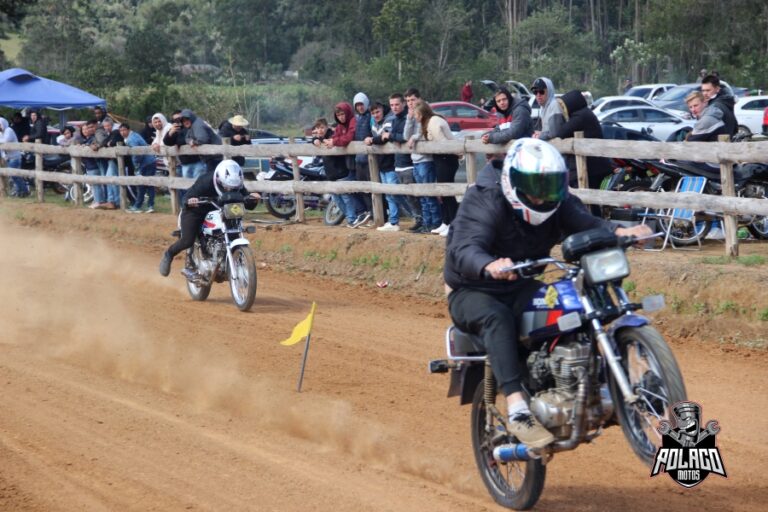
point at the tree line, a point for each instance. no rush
(381, 46)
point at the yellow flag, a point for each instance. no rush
(302, 329)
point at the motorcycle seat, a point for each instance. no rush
(464, 344)
(313, 173)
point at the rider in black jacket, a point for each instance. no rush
(516, 213)
(228, 177)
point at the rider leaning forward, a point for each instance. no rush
(513, 213)
(227, 177)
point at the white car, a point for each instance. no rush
(648, 91)
(749, 113)
(607, 103)
(652, 120)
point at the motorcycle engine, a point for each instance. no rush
(556, 374)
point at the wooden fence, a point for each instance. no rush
(724, 153)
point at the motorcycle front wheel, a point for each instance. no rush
(517, 484)
(655, 377)
(242, 277)
(333, 214)
(282, 206)
(198, 292)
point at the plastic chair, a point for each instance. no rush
(678, 216)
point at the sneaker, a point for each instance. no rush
(388, 227)
(165, 264)
(445, 231)
(149, 210)
(133, 209)
(439, 229)
(361, 219)
(526, 428)
(416, 227)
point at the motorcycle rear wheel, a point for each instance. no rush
(516, 485)
(333, 214)
(242, 277)
(197, 292)
(655, 377)
(759, 228)
(282, 206)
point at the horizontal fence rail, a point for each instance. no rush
(724, 153)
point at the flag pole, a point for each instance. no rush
(303, 363)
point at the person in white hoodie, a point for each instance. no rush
(13, 157)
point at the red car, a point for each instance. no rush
(464, 116)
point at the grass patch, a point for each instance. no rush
(725, 307)
(629, 286)
(763, 315)
(286, 248)
(747, 261)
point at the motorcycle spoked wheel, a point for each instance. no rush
(242, 277)
(333, 214)
(282, 206)
(655, 377)
(197, 292)
(759, 228)
(687, 232)
(517, 484)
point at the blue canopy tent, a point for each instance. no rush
(19, 88)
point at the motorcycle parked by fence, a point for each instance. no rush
(283, 206)
(592, 363)
(51, 163)
(221, 252)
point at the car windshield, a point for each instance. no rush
(638, 91)
(597, 103)
(676, 93)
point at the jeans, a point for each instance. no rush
(147, 170)
(22, 189)
(349, 203)
(424, 172)
(99, 194)
(109, 168)
(394, 202)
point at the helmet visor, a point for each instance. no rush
(550, 187)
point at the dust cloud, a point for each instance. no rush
(65, 297)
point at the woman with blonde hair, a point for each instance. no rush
(435, 128)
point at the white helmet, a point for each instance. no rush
(534, 169)
(228, 176)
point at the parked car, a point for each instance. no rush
(648, 91)
(750, 115)
(765, 121)
(607, 103)
(615, 131)
(464, 116)
(674, 98)
(662, 124)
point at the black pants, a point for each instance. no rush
(445, 168)
(494, 318)
(363, 173)
(191, 219)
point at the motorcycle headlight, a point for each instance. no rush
(604, 266)
(234, 211)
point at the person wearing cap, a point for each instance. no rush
(550, 114)
(517, 210)
(236, 130)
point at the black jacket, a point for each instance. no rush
(204, 187)
(579, 118)
(397, 135)
(486, 228)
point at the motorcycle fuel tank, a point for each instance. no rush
(550, 302)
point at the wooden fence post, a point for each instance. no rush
(172, 173)
(39, 183)
(730, 224)
(300, 217)
(3, 192)
(77, 170)
(121, 173)
(470, 163)
(581, 164)
(377, 200)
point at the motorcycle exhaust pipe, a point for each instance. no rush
(513, 452)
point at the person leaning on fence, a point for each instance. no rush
(353, 208)
(144, 165)
(191, 165)
(403, 162)
(236, 130)
(91, 164)
(199, 133)
(380, 125)
(435, 128)
(13, 158)
(423, 165)
(514, 121)
(66, 137)
(362, 106)
(550, 115)
(111, 138)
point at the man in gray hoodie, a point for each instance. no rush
(550, 114)
(198, 133)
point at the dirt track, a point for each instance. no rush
(117, 392)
